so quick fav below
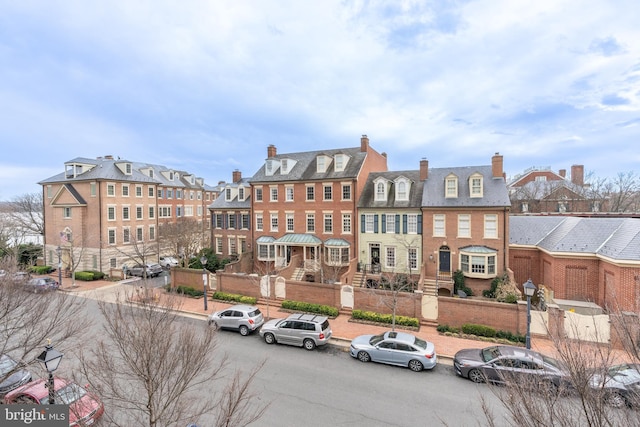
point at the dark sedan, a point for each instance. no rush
(42, 284)
(504, 364)
(11, 375)
(620, 385)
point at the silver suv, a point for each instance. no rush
(306, 330)
(242, 318)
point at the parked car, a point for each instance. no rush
(11, 376)
(242, 318)
(168, 261)
(306, 330)
(84, 407)
(503, 364)
(395, 348)
(619, 386)
(153, 270)
(42, 284)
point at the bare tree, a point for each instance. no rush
(150, 370)
(139, 252)
(26, 211)
(181, 237)
(624, 187)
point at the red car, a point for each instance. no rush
(84, 407)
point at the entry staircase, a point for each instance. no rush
(298, 274)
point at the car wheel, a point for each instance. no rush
(309, 344)
(476, 376)
(363, 356)
(415, 365)
(213, 324)
(615, 399)
(269, 338)
(244, 331)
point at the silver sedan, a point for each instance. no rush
(395, 348)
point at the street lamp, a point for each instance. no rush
(529, 290)
(59, 252)
(51, 359)
(203, 261)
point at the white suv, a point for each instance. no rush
(242, 318)
(303, 330)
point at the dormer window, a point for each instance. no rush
(170, 176)
(193, 180)
(241, 193)
(127, 168)
(402, 189)
(284, 166)
(380, 186)
(475, 185)
(451, 186)
(150, 173)
(228, 194)
(321, 164)
(270, 167)
(341, 162)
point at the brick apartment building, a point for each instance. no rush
(102, 213)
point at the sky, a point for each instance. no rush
(206, 85)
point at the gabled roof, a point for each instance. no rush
(222, 203)
(367, 198)
(616, 238)
(305, 167)
(494, 194)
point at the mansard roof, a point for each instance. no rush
(367, 198)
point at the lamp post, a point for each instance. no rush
(203, 261)
(529, 290)
(51, 359)
(59, 252)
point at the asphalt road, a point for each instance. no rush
(327, 387)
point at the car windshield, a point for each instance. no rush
(376, 339)
(67, 395)
(6, 365)
(490, 353)
(420, 343)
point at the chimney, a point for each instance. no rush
(424, 169)
(497, 166)
(577, 175)
(108, 157)
(237, 175)
(271, 151)
(364, 143)
(562, 173)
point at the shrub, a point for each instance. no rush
(447, 328)
(480, 330)
(86, 276)
(307, 307)
(384, 318)
(41, 269)
(188, 290)
(491, 293)
(511, 298)
(97, 275)
(458, 283)
(509, 336)
(223, 296)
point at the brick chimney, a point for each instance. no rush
(562, 173)
(271, 151)
(577, 175)
(237, 175)
(497, 166)
(364, 143)
(424, 169)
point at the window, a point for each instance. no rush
(199, 210)
(412, 224)
(152, 212)
(49, 191)
(240, 194)
(289, 193)
(475, 184)
(328, 223)
(245, 221)
(451, 187)
(321, 164)
(525, 207)
(380, 191)
(218, 220)
(219, 245)
(179, 211)
(191, 195)
(369, 223)
(111, 190)
(284, 166)
(412, 258)
(346, 191)
(339, 166)
(401, 191)
(391, 256)
(139, 234)
(66, 212)
(231, 220)
(346, 223)
(139, 212)
(290, 222)
(258, 194)
(464, 225)
(328, 192)
(311, 192)
(125, 190)
(311, 223)
(266, 252)
(478, 265)
(274, 221)
(138, 190)
(113, 262)
(227, 193)
(439, 225)
(127, 168)
(233, 246)
(152, 232)
(259, 222)
(151, 191)
(126, 235)
(125, 213)
(169, 193)
(94, 262)
(390, 224)
(111, 213)
(491, 226)
(274, 194)
(164, 211)
(541, 178)
(93, 189)
(111, 233)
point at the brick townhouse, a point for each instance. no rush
(99, 212)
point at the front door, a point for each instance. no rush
(444, 258)
(374, 253)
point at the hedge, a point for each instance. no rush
(482, 331)
(243, 299)
(385, 318)
(188, 290)
(86, 276)
(41, 269)
(306, 307)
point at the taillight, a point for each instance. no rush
(321, 336)
(251, 321)
(428, 355)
